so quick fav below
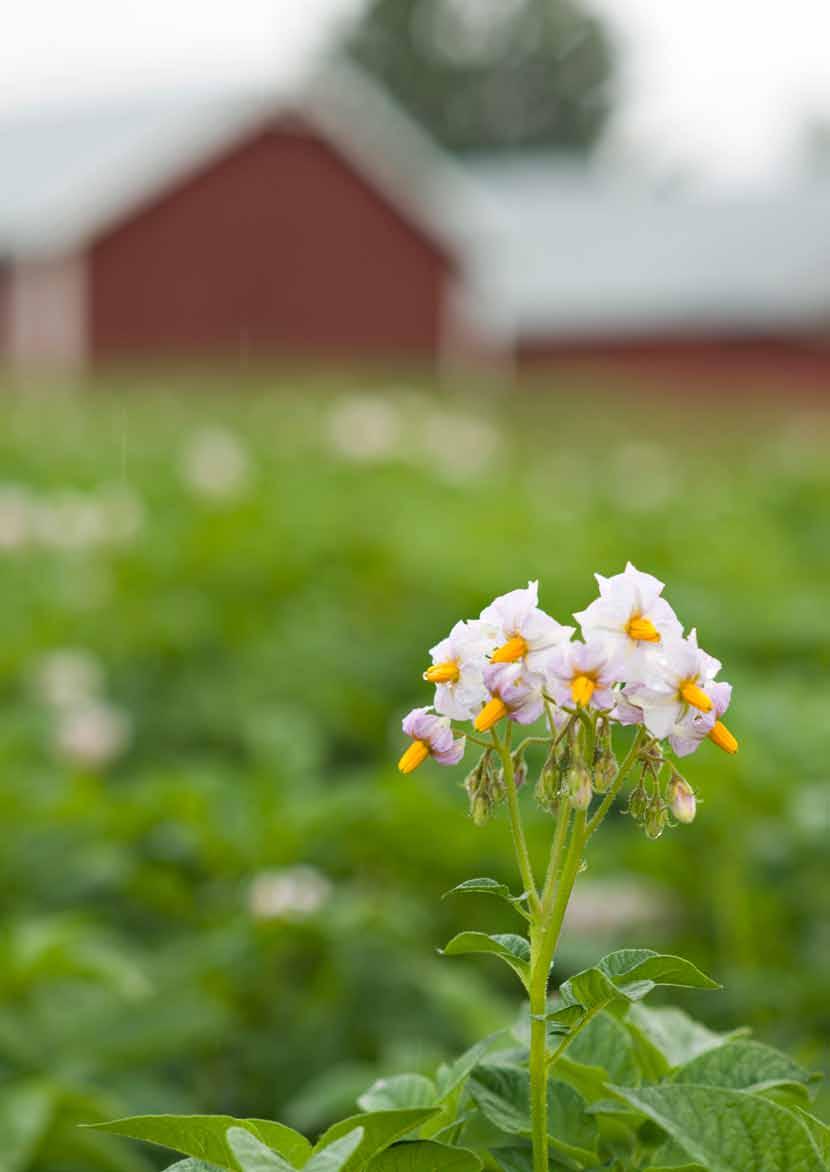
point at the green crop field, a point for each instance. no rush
(217, 892)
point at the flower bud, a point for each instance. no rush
(605, 769)
(580, 789)
(637, 803)
(657, 816)
(548, 787)
(681, 798)
(485, 789)
(481, 810)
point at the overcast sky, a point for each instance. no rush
(718, 87)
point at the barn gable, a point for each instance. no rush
(278, 245)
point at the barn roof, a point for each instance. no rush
(545, 249)
(574, 252)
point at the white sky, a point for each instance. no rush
(718, 87)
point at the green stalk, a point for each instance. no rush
(625, 769)
(544, 939)
(516, 827)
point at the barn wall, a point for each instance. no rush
(739, 361)
(46, 318)
(278, 248)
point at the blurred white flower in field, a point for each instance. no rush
(458, 447)
(292, 893)
(93, 735)
(364, 428)
(215, 464)
(68, 678)
(70, 520)
(15, 517)
(606, 906)
(643, 477)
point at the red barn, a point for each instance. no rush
(329, 227)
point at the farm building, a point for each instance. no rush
(327, 226)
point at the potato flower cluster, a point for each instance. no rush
(633, 665)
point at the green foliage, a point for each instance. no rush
(631, 1089)
(535, 74)
(259, 644)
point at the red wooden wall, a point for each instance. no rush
(278, 248)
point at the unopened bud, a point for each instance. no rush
(681, 798)
(580, 789)
(548, 786)
(637, 803)
(605, 770)
(481, 810)
(519, 771)
(656, 817)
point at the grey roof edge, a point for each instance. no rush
(351, 112)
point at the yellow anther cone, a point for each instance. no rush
(492, 712)
(723, 738)
(414, 756)
(695, 696)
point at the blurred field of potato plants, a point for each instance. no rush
(217, 893)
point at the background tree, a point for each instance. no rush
(491, 74)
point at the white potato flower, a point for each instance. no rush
(521, 630)
(632, 618)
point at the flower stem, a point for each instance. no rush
(516, 827)
(625, 769)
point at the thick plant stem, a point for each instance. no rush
(544, 939)
(538, 1062)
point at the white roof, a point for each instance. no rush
(546, 250)
(571, 253)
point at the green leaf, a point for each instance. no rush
(633, 965)
(252, 1155)
(818, 1130)
(521, 1160)
(562, 1020)
(726, 1130)
(484, 887)
(629, 975)
(204, 1136)
(513, 950)
(745, 1065)
(191, 1165)
(26, 1112)
(502, 1094)
(665, 1038)
(400, 1090)
(338, 1155)
(605, 1042)
(380, 1130)
(451, 1077)
(591, 1082)
(425, 1156)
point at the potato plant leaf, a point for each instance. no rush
(513, 950)
(204, 1136)
(726, 1130)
